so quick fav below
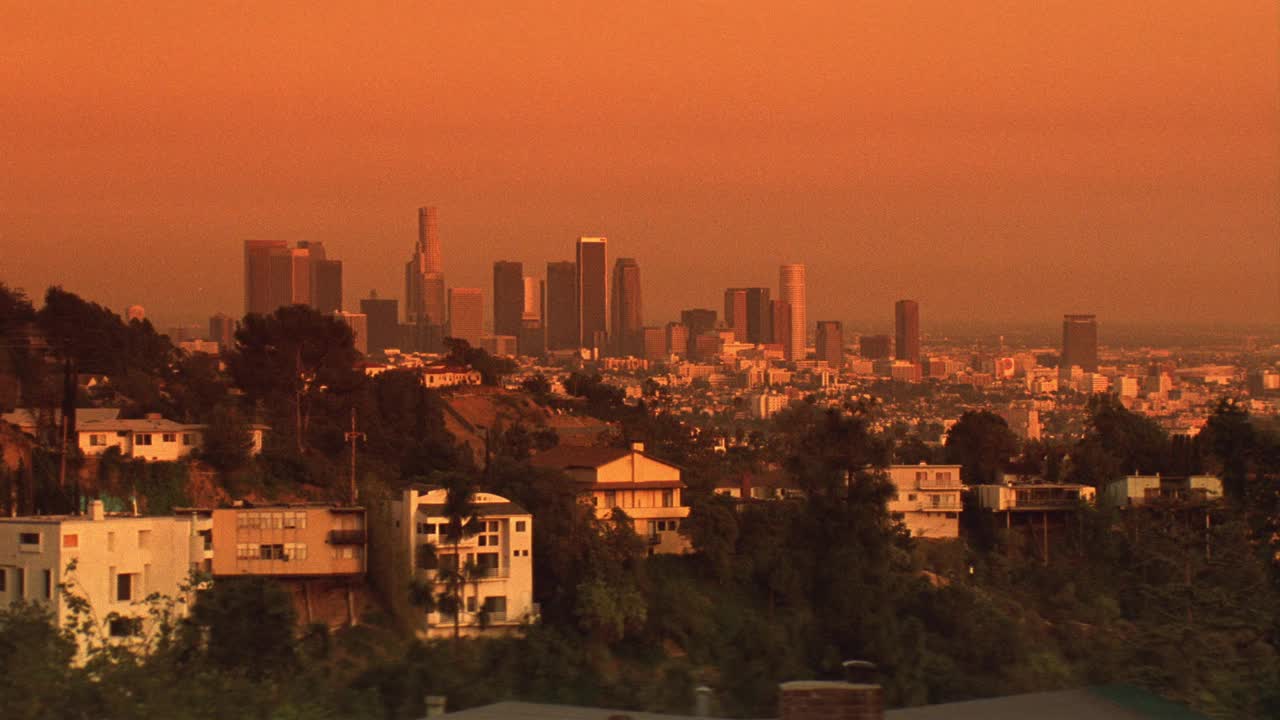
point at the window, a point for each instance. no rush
(124, 626)
(111, 542)
(48, 584)
(922, 476)
(610, 499)
(944, 477)
(271, 552)
(668, 497)
(295, 551)
(169, 437)
(4, 580)
(71, 541)
(124, 587)
(208, 539)
(520, 526)
(97, 439)
(20, 582)
(911, 497)
(29, 539)
(142, 439)
(188, 439)
(471, 604)
(144, 539)
(494, 525)
(936, 500)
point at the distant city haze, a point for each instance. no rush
(1001, 161)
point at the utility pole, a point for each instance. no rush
(352, 437)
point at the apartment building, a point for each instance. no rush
(298, 541)
(1137, 490)
(149, 438)
(115, 562)
(491, 564)
(648, 490)
(1034, 496)
(928, 499)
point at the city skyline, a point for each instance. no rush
(971, 160)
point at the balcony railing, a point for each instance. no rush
(346, 537)
(935, 484)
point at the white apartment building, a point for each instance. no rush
(928, 499)
(766, 405)
(149, 438)
(1146, 489)
(118, 562)
(496, 560)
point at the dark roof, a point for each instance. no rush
(573, 456)
(480, 509)
(1099, 703)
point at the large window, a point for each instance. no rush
(29, 538)
(142, 439)
(124, 626)
(97, 439)
(610, 498)
(271, 552)
(125, 587)
(668, 497)
(169, 437)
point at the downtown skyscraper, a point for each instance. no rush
(906, 323)
(1080, 342)
(560, 306)
(592, 291)
(791, 288)
(627, 323)
(424, 290)
(508, 297)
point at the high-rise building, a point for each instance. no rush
(532, 299)
(1080, 342)
(424, 288)
(326, 279)
(222, 330)
(677, 339)
(791, 286)
(830, 343)
(875, 347)
(383, 320)
(508, 297)
(654, 342)
(257, 275)
(289, 277)
(626, 316)
(780, 311)
(759, 316)
(592, 291)
(906, 324)
(560, 306)
(359, 324)
(466, 315)
(735, 312)
(697, 321)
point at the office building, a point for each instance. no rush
(500, 345)
(508, 297)
(466, 315)
(780, 310)
(326, 278)
(592, 291)
(289, 277)
(654, 343)
(424, 274)
(222, 330)
(626, 316)
(906, 324)
(696, 322)
(759, 316)
(677, 339)
(1080, 342)
(359, 325)
(735, 312)
(532, 299)
(560, 306)
(830, 343)
(257, 275)
(383, 322)
(791, 286)
(875, 347)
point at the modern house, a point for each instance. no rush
(1032, 496)
(490, 564)
(149, 438)
(285, 541)
(1137, 490)
(113, 561)
(928, 499)
(648, 490)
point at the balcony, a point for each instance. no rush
(346, 537)
(934, 483)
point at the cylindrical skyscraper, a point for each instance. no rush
(791, 289)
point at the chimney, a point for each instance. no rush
(702, 701)
(435, 705)
(828, 700)
(97, 511)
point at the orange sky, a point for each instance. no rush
(1004, 160)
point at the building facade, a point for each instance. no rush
(906, 322)
(735, 312)
(591, 285)
(626, 317)
(289, 541)
(1080, 342)
(490, 569)
(383, 317)
(149, 438)
(830, 343)
(928, 498)
(466, 314)
(560, 313)
(791, 288)
(508, 297)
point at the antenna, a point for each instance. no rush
(352, 436)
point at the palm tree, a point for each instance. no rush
(460, 512)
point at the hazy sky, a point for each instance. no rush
(1008, 160)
